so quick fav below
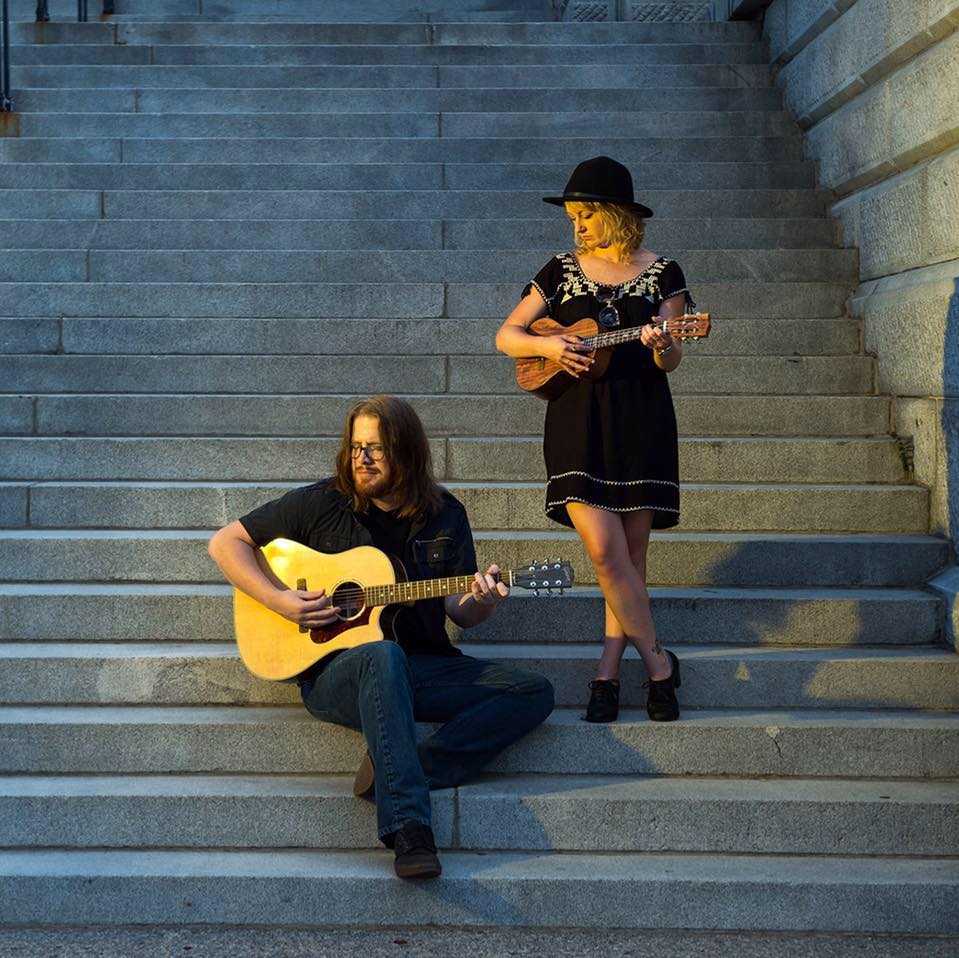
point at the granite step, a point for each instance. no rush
(376, 176)
(509, 889)
(480, 205)
(387, 10)
(509, 76)
(42, 204)
(405, 372)
(783, 302)
(764, 618)
(720, 55)
(848, 744)
(677, 235)
(390, 266)
(489, 459)
(725, 507)
(752, 560)
(76, 119)
(437, 337)
(208, 674)
(384, 149)
(505, 106)
(776, 375)
(442, 414)
(484, 205)
(451, 34)
(564, 813)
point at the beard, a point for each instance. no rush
(372, 485)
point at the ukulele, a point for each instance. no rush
(547, 379)
(362, 582)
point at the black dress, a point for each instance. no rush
(612, 443)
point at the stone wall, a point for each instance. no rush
(875, 83)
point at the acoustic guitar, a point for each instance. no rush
(363, 583)
(547, 379)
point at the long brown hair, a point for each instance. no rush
(407, 450)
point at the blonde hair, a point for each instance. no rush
(620, 228)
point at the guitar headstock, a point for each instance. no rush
(549, 576)
(690, 326)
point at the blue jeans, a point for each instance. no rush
(381, 691)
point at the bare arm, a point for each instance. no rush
(514, 340)
(237, 555)
(656, 339)
(479, 604)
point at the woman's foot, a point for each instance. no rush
(661, 704)
(603, 701)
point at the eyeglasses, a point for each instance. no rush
(609, 316)
(374, 450)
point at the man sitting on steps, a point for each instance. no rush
(384, 494)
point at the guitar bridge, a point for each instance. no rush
(301, 587)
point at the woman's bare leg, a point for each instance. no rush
(608, 543)
(614, 645)
(637, 525)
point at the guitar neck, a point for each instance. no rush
(613, 338)
(402, 592)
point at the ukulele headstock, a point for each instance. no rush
(689, 326)
(549, 576)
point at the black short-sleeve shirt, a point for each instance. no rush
(319, 517)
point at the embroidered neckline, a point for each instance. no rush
(623, 282)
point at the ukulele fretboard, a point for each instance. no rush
(614, 338)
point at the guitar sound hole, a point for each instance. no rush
(348, 596)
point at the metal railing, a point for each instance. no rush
(83, 13)
(6, 93)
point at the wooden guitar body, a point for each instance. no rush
(547, 379)
(273, 647)
(544, 378)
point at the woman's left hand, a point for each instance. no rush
(653, 337)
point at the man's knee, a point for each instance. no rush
(538, 696)
(381, 656)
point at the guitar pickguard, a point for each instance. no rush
(322, 636)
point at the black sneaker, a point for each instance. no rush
(415, 852)
(603, 701)
(661, 705)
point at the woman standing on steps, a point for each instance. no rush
(610, 445)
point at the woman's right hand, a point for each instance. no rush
(569, 353)
(309, 609)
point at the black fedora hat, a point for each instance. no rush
(600, 180)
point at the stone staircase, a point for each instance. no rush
(214, 236)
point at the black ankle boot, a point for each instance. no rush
(603, 701)
(661, 705)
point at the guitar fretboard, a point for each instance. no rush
(681, 327)
(613, 338)
(400, 592)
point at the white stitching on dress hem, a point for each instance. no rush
(614, 482)
(596, 505)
